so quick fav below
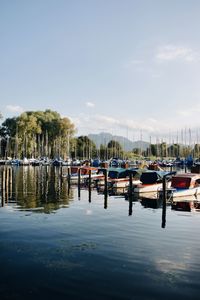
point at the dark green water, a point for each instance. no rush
(57, 245)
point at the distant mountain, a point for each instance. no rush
(103, 138)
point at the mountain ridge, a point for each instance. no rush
(103, 138)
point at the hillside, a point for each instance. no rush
(104, 138)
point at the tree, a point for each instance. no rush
(174, 150)
(103, 152)
(7, 134)
(114, 149)
(86, 148)
(38, 133)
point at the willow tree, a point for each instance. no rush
(38, 133)
(8, 133)
(86, 148)
(27, 128)
(114, 149)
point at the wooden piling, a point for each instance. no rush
(69, 175)
(79, 176)
(130, 184)
(79, 183)
(130, 210)
(105, 200)
(89, 194)
(90, 177)
(164, 182)
(105, 172)
(89, 184)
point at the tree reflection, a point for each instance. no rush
(40, 189)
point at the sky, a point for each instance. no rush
(128, 67)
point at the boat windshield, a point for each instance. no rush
(180, 182)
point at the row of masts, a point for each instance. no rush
(181, 144)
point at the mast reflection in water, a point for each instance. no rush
(61, 242)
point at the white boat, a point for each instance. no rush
(85, 173)
(183, 185)
(124, 182)
(84, 177)
(151, 182)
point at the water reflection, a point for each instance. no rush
(40, 188)
(108, 249)
(43, 189)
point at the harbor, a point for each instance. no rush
(74, 242)
(99, 150)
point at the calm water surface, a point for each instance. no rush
(60, 243)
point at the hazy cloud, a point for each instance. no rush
(172, 52)
(14, 108)
(190, 111)
(140, 127)
(148, 125)
(90, 104)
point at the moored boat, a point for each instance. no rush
(123, 180)
(85, 173)
(151, 182)
(183, 185)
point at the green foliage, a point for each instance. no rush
(38, 133)
(114, 149)
(85, 148)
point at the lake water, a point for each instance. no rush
(60, 243)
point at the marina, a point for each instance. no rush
(75, 242)
(99, 150)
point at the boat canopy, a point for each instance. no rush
(114, 173)
(150, 177)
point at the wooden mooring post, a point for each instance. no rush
(69, 176)
(130, 209)
(89, 184)
(164, 183)
(105, 172)
(130, 185)
(79, 183)
(105, 200)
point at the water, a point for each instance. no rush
(57, 243)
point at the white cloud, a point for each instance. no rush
(157, 129)
(14, 108)
(172, 52)
(189, 111)
(110, 123)
(106, 120)
(90, 104)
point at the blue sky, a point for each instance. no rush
(122, 66)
